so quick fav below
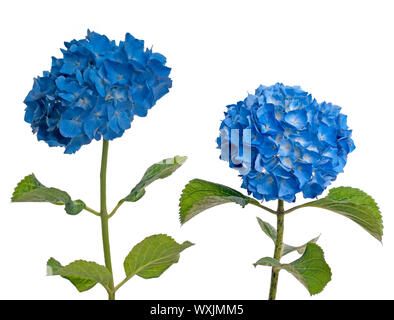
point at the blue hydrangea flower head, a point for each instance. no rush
(95, 91)
(283, 142)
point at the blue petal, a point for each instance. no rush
(281, 171)
(303, 172)
(285, 147)
(159, 68)
(113, 124)
(70, 128)
(297, 118)
(75, 144)
(117, 73)
(327, 134)
(67, 96)
(67, 84)
(288, 188)
(134, 49)
(267, 185)
(68, 68)
(124, 121)
(287, 163)
(29, 113)
(312, 190)
(158, 56)
(161, 88)
(310, 156)
(79, 76)
(98, 44)
(267, 147)
(98, 83)
(91, 126)
(330, 153)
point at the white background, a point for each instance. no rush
(340, 51)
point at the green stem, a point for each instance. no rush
(121, 283)
(92, 211)
(115, 209)
(280, 215)
(104, 216)
(256, 203)
(298, 207)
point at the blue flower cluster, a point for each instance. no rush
(95, 90)
(283, 142)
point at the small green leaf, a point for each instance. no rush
(355, 205)
(199, 195)
(270, 231)
(159, 170)
(310, 269)
(81, 284)
(152, 256)
(83, 274)
(32, 190)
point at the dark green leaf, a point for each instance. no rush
(83, 274)
(310, 269)
(82, 284)
(270, 231)
(32, 190)
(199, 195)
(152, 256)
(355, 205)
(159, 170)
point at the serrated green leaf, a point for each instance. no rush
(199, 195)
(32, 190)
(355, 205)
(310, 269)
(152, 256)
(159, 170)
(81, 284)
(270, 231)
(83, 274)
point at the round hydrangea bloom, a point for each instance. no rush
(282, 141)
(95, 90)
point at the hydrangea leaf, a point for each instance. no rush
(159, 170)
(270, 231)
(355, 205)
(32, 190)
(83, 274)
(310, 269)
(82, 284)
(152, 256)
(199, 195)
